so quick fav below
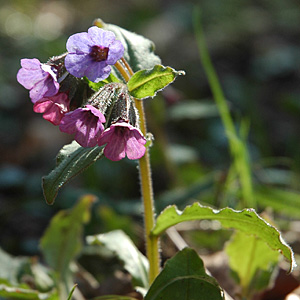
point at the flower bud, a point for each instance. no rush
(114, 101)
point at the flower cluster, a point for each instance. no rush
(93, 121)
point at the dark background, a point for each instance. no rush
(255, 48)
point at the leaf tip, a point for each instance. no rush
(49, 200)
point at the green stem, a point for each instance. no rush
(152, 242)
(237, 146)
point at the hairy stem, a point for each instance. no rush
(152, 243)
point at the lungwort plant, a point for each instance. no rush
(95, 93)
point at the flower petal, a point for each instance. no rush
(62, 101)
(135, 148)
(68, 122)
(116, 51)
(115, 148)
(101, 37)
(29, 77)
(78, 64)
(30, 63)
(42, 105)
(53, 115)
(86, 123)
(51, 111)
(79, 43)
(106, 136)
(138, 135)
(52, 86)
(96, 112)
(97, 71)
(89, 130)
(38, 91)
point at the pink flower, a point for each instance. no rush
(53, 108)
(85, 123)
(40, 79)
(123, 139)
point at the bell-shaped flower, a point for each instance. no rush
(39, 78)
(91, 53)
(85, 123)
(53, 108)
(122, 139)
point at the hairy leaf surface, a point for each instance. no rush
(146, 83)
(71, 160)
(246, 220)
(184, 277)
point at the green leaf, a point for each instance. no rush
(246, 220)
(71, 160)
(11, 267)
(71, 292)
(138, 50)
(7, 292)
(62, 241)
(114, 297)
(14, 268)
(42, 276)
(134, 261)
(97, 85)
(184, 277)
(248, 255)
(281, 200)
(145, 83)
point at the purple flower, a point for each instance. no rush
(86, 123)
(91, 53)
(39, 78)
(53, 108)
(122, 139)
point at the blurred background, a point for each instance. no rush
(255, 48)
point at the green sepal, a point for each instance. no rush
(96, 86)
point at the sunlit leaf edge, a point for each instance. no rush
(239, 220)
(138, 81)
(123, 241)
